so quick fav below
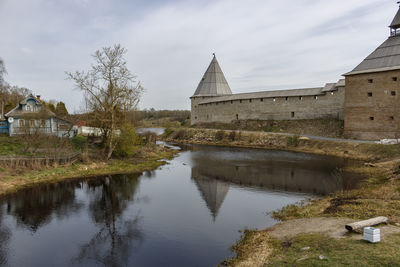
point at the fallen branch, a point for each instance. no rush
(359, 226)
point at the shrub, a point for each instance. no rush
(79, 141)
(220, 135)
(180, 135)
(292, 141)
(127, 142)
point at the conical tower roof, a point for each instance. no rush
(396, 21)
(387, 56)
(213, 82)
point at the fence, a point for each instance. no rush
(15, 162)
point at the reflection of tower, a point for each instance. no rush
(212, 191)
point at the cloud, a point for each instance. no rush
(261, 44)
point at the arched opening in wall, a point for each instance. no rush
(316, 97)
(237, 117)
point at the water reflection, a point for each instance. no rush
(35, 207)
(118, 236)
(291, 172)
(160, 218)
(4, 238)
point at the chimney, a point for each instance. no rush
(38, 97)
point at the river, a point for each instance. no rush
(186, 213)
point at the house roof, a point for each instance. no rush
(18, 112)
(213, 82)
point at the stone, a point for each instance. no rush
(305, 248)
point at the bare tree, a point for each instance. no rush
(2, 72)
(110, 91)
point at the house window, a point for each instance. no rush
(28, 107)
(42, 123)
(249, 100)
(300, 98)
(315, 97)
(292, 114)
(393, 93)
(394, 79)
(21, 123)
(370, 80)
(286, 98)
(369, 94)
(32, 123)
(261, 99)
(371, 118)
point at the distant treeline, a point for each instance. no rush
(179, 115)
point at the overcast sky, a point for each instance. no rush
(260, 44)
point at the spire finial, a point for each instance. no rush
(214, 53)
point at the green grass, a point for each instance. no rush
(9, 146)
(338, 252)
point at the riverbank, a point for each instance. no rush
(329, 244)
(146, 159)
(274, 141)
(377, 195)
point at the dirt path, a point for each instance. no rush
(332, 227)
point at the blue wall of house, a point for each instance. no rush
(3, 127)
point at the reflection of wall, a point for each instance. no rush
(212, 191)
(271, 175)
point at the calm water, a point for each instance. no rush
(187, 213)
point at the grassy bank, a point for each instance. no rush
(314, 250)
(366, 152)
(377, 195)
(147, 158)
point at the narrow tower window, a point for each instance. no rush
(394, 79)
(393, 93)
(286, 98)
(292, 114)
(300, 98)
(261, 99)
(369, 94)
(370, 80)
(315, 97)
(371, 118)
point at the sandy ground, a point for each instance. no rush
(284, 231)
(332, 227)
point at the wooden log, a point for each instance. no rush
(359, 226)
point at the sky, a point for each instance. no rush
(260, 44)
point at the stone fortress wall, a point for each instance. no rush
(297, 104)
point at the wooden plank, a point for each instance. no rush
(359, 226)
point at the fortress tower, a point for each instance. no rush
(372, 103)
(212, 84)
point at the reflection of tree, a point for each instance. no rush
(117, 235)
(35, 206)
(5, 235)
